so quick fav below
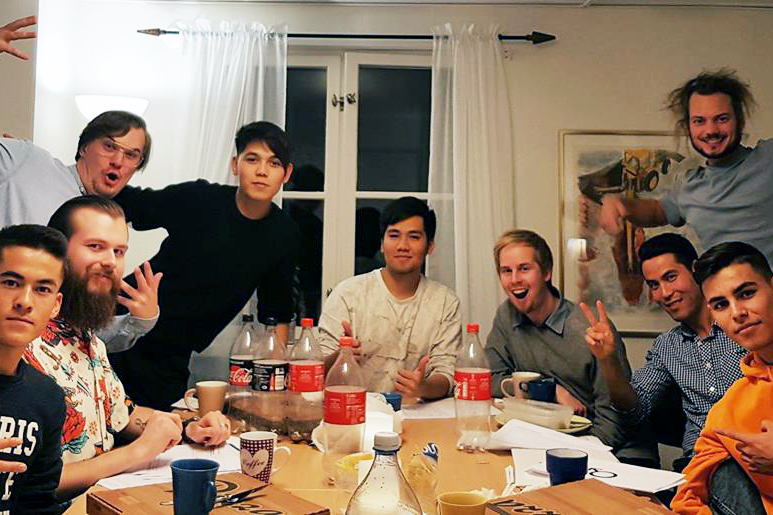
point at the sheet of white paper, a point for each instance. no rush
(159, 470)
(443, 408)
(620, 475)
(181, 404)
(520, 434)
(529, 465)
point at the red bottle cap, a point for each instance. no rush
(307, 323)
(346, 341)
(473, 328)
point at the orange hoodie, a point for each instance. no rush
(746, 404)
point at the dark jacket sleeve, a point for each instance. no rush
(147, 208)
(39, 493)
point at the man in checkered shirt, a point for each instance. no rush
(695, 355)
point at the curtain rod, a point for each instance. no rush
(535, 37)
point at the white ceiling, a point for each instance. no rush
(761, 4)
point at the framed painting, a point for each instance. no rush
(594, 264)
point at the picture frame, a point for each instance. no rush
(593, 264)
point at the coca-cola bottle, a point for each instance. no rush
(240, 359)
(307, 378)
(344, 422)
(472, 380)
(269, 381)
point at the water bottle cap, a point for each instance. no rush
(307, 323)
(346, 341)
(473, 328)
(386, 441)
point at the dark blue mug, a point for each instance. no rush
(540, 389)
(566, 465)
(193, 484)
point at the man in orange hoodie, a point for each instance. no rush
(737, 283)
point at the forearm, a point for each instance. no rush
(80, 476)
(124, 330)
(621, 392)
(436, 386)
(137, 422)
(644, 212)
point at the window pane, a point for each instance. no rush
(393, 129)
(306, 94)
(308, 214)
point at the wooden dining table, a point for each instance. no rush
(457, 470)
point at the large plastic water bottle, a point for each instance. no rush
(384, 491)
(472, 380)
(269, 382)
(307, 377)
(344, 417)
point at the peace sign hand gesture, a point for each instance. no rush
(599, 336)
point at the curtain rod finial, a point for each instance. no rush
(154, 32)
(539, 37)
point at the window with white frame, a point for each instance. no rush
(360, 125)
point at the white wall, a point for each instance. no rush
(609, 69)
(17, 78)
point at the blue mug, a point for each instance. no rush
(193, 485)
(566, 465)
(540, 389)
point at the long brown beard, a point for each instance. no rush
(83, 309)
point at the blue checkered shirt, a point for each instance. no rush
(702, 369)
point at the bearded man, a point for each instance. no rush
(98, 410)
(730, 198)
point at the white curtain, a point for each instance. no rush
(471, 166)
(233, 74)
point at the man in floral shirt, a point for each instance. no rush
(98, 410)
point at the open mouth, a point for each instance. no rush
(112, 177)
(520, 294)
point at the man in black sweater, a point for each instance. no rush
(32, 406)
(224, 243)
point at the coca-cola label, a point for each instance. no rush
(269, 375)
(307, 376)
(240, 372)
(344, 405)
(473, 384)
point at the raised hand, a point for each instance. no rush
(142, 301)
(756, 448)
(408, 382)
(612, 215)
(11, 32)
(599, 336)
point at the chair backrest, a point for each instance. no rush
(669, 420)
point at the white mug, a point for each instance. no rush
(516, 379)
(257, 450)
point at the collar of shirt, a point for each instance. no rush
(688, 334)
(726, 163)
(74, 171)
(556, 321)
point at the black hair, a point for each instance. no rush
(33, 236)
(405, 208)
(707, 83)
(111, 124)
(723, 255)
(669, 243)
(275, 138)
(61, 220)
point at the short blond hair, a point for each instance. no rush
(528, 238)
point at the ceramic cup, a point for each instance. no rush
(566, 465)
(540, 389)
(515, 380)
(210, 394)
(193, 485)
(257, 450)
(460, 503)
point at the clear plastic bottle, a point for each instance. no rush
(344, 417)
(384, 491)
(239, 398)
(472, 380)
(307, 381)
(269, 382)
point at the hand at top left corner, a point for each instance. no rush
(212, 430)
(142, 301)
(11, 32)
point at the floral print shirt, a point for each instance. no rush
(97, 406)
